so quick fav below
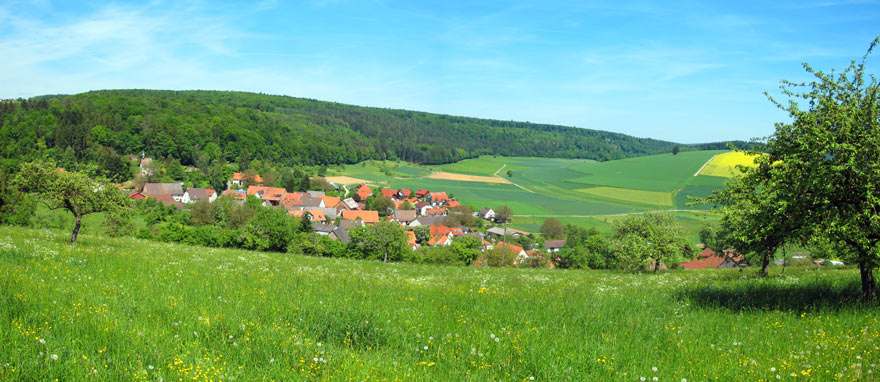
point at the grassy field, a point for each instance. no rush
(665, 172)
(125, 309)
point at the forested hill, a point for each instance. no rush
(285, 130)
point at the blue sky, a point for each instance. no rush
(683, 71)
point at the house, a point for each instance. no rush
(389, 193)
(487, 213)
(317, 215)
(405, 193)
(322, 228)
(554, 245)
(440, 240)
(167, 199)
(709, 259)
(411, 240)
(341, 234)
(173, 189)
(427, 221)
(363, 192)
(421, 207)
(437, 197)
(367, 217)
(452, 203)
(193, 195)
(498, 232)
(422, 193)
(236, 194)
(435, 212)
(270, 195)
(136, 195)
(520, 254)
(238, 179)
(330, 201)
(349, 204)
(404, 216)
(316, 194)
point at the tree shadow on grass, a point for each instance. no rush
(759, 294)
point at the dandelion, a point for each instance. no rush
(684, 380)
(778, 376)
(655, 379)
(772, 369)
(272, 360)
(492, 335)
(150, 367)
(319, 344)
(654, 369)
(426, 347)
(642, 379)
(54, 357)
(531, 378)
(196, 334)
(42, 341)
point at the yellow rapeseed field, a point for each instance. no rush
(725, 164)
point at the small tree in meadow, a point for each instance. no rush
(78, 192)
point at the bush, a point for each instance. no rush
(271, 229)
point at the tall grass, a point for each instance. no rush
(126, 309)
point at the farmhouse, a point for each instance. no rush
(174, 190)
(367, 217)
(193, 195)
(498, 232)
(239, 178)
(487, 213)
(554, 245)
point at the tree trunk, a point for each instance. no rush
(657, 265)
(76, 225)
(765, 265)
(869, 286)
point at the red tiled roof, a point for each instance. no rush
(235, 195)
(365, 216)
(240, 176)
(708, 259)
(435, 211)
(421, 193)
(330, 201)
(515, 248)
(389, 193)
(406, 192)
(452, 203)
(437, 229)
(438, 196)
(411, 238)
(317, 215)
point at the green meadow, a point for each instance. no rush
(576, 191)
(126, 309)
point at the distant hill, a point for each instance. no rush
(284, 130)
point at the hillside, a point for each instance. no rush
(283, 130)
(126, 309)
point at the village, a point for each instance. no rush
(434, 212)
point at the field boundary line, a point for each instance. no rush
(705, 164)
(511, 182)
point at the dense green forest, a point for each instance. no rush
(236, 126)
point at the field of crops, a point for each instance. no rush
(577, 190)
(126, 309)
(724, 165)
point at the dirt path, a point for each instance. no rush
(499, 170)
(525, 189)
